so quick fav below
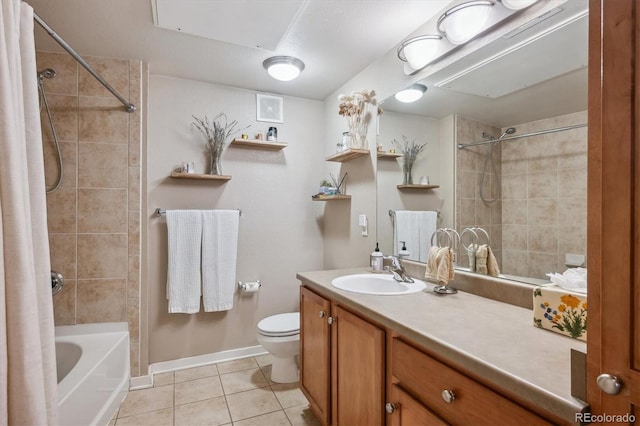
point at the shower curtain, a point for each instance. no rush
(28, 392)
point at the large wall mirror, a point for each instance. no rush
(518, 106)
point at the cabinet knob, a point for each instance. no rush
(331, 320)
(390, 407)
(448, 396)
(609, 384)
(323, 314)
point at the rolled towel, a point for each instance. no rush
(481, 259)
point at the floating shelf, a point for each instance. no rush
(347, 155)
(258, 144)
(330, 197)
(416, 186)
(196, 176)
(385, 154)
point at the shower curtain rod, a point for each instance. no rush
(129, 106)
(525, 135)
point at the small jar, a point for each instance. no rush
(346, 140)
(272, 134)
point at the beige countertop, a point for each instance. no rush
(494, 341)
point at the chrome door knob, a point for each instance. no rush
(390, 407)
(323, 314)
(609, 384)
(331, 320)
(448, 396)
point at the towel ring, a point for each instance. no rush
(483, 231)
(473, 246)
(437, 234)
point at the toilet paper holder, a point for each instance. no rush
(249, 286)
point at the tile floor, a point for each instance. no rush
(235, 393)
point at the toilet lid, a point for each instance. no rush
(280, 325)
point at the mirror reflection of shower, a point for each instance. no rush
(489, 164)
(50, 73)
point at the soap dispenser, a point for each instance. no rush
(377, 260)
(404, 253)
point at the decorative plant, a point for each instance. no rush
(355, 108)
(409, 152)
(215, 133)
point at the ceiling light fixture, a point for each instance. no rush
(517, 4)
(411, 93)
(283, 68)
(419, 51)
(464, 21)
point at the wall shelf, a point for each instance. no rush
(258, 144)
(197, 176)
(388, 155)
(347, 155)
(416, 186)
(319, 197)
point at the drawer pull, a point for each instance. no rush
(448, 396)
(390, 407)
(323, 314)
(331, 320)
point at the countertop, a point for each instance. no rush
(492, 340)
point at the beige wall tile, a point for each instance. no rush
(69, 152)
(102, 300)
(61, 210)
(572, 212)
(133, 318)
(572, 183)
(514, 262)
(115, 71)
(496, 213)
(572, 239)
(66, 80)
(102, 211)
(514, 212)
(134, 232)
(64, 304)
(134, 358)
(103, 120)
(465, 213)
(466, 184)
(514, 157)
(514, 237)
(102, 256)
(542, 185)
(543, 239)
(514, 186)
(540, 264)
(134, 188)
(62, 249)
(133, 276)
(542, 212)
(64, 112)
(483, 214)
(102, 165)
(465, 160)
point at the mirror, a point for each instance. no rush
(528, 190)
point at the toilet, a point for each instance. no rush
(280, 336)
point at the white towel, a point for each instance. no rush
(183, 271)
(415, 228)
(219, 253)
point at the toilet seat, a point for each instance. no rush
(280, 325)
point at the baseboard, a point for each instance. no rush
(141, 382)
(206, 359)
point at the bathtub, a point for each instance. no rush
(92, 363)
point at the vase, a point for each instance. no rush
(215, 155)
(359, 137)
(407, 177)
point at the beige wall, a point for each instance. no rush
(94, 217)
(280, 226)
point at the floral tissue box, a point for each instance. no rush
(561, 311)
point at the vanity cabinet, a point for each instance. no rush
(342, 367)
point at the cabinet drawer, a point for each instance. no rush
(427, 379)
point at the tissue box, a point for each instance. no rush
(561, 311)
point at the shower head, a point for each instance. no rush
(509, 131)
(47, 73)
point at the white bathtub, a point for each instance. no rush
(93, 371)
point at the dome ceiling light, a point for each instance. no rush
(419, 51)
(283, 68)
(517, 4)
(411, 93)
(464, 21)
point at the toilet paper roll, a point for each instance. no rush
(251, 287)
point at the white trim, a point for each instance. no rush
(206, 359)
(141, 382)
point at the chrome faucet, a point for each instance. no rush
(397, 269)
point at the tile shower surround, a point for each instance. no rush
(542, 212)
(94, 217)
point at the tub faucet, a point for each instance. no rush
(398, 271)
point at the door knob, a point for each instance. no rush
(609, 384)
(331, 320)
(323, 314)
(448, 396)
(390, 407)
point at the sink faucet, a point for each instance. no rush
(398, 271)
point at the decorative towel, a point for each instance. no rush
(415, 228)
(219, 254)
(471, 253)
(183, 271)
(492, 263)
(481, 259)
(440, 265)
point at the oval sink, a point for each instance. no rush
(383, 285)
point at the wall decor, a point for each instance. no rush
(269, 108)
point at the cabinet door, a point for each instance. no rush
(409, 412)
(315, 353)
(358, 370)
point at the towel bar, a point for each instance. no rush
(161, 212)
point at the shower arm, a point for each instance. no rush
(129, 106)
(525, 135)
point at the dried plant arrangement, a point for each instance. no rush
(216, 132)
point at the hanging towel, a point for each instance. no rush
(184, 229)
(440, 265)
(492, 263)
(481, 259)
(219, 254)
(415, 228)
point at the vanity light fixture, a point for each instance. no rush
(283, 68)
(419, 51)
(517, 4)
(464, 21)
(411, 93)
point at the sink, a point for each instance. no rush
(379, 284)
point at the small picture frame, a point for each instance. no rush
(269, 108)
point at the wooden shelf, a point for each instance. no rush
(196, 176)
(319, 197)
(385, 154)
(347, 155)
(416, 186)
(258, 144)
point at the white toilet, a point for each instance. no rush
(280, 336)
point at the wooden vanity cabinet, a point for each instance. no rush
(407, 411)
(342, 363)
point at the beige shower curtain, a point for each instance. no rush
(27, 350)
